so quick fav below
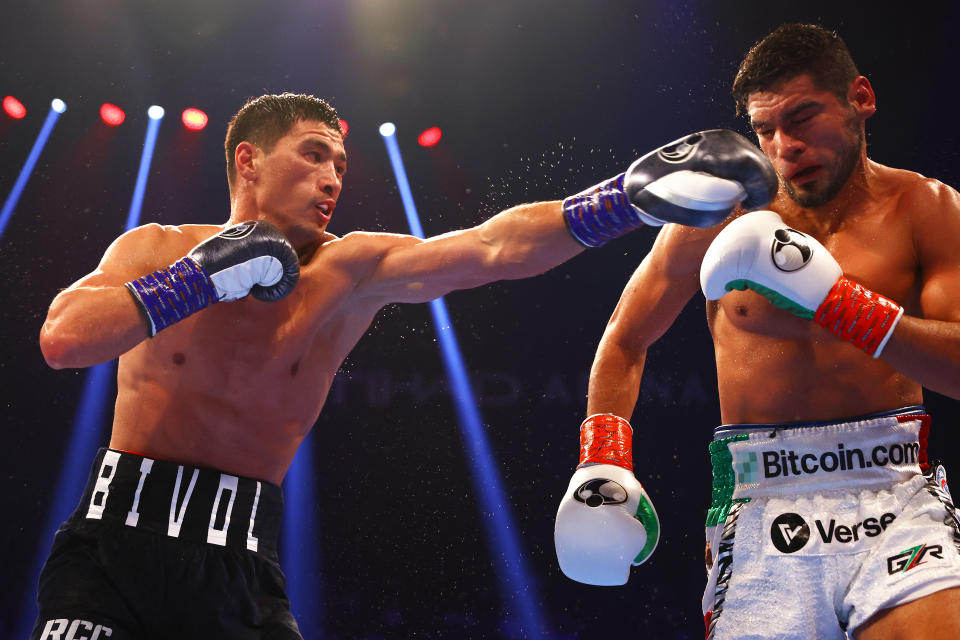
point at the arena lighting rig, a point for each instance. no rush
(192, 118)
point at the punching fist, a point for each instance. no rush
(688, 180)
(696, 181)
(250, 257)
(606, 522)
(796, 273)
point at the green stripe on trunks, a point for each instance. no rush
(724, 479)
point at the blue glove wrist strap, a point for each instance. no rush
(600, 214)
(170, 295)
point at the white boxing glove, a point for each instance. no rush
(606, 522)
(796, 273)
(758, 251)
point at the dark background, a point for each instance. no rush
(537, 99)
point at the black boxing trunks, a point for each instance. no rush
(158, 549)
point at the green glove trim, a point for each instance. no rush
(648, 518)
(779, 301)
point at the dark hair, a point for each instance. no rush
(791, 50)
(266, 119)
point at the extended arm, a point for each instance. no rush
(696, 180)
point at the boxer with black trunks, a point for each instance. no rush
(828, 518)
(176, 533)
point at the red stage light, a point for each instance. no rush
(430, 137)
(344, 127)
(194, 119)
(14, 108)
(112, 114)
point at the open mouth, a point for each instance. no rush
(324, 209)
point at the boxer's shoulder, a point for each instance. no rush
(153, 237)
(359, 251)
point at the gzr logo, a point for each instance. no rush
(906, 560)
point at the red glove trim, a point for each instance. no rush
(606, 439)
(858, 315)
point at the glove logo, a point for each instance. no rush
(600, 491)
(790, 250)
(681, 151)
(789, 532)
(238, 231)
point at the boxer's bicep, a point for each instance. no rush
(661, 287)
(408, 269)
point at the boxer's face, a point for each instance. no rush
(813, 139)
(298, 182)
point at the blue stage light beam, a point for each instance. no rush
(155, 117)
(300, 557)
(517, 586)
(57, 107)
(89, 420)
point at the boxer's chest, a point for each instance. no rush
(875, 249)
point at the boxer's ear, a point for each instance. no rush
(862, 98)
(247, 157)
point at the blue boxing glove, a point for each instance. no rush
(696, 181)
(247, 258)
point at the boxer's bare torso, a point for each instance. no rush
(238, 386)
(775, 367)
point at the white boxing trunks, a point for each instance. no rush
(815, 527)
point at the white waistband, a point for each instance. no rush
(770, 460)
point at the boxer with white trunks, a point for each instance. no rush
(227, 356)
(829, 314)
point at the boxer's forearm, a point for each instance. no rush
(928, 352)
(525, 241)
(89, 325)
(615, 379)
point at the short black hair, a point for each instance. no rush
(792, 50)
(266, 119)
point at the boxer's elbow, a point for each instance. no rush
(62, 349)
(55, 349)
